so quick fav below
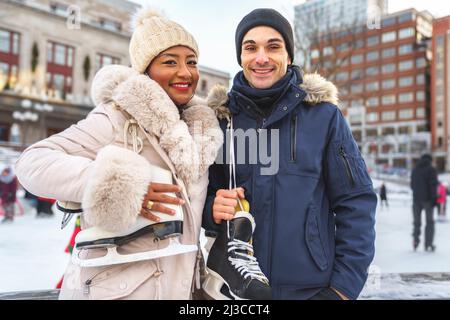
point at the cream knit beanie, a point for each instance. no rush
(153, 34)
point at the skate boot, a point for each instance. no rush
(231, 264)
(169, 227)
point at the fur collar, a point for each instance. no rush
(317, 89)
(191, 140)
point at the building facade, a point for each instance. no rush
(383, 77)
(315, 17)
(440, 92)
(49, 53)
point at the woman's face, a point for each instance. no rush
(175, 70)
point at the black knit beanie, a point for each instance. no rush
(265, 17)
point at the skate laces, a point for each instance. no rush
(246, 264)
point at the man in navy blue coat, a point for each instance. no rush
(313, 203)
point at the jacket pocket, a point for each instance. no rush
(313, 239)
(118, 281)
(350, 165)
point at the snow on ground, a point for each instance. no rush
(32, 253)
(394, 253)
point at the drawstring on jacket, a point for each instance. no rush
(131, 127)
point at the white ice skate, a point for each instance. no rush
(171, 227)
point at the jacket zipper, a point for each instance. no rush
(348, 169)
(89, 281)
(293, 139)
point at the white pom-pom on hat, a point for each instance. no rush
(143, 14)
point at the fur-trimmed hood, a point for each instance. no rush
(191, 138)
(317, 89)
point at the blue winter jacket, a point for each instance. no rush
(314, 218)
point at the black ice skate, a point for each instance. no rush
(231, 263)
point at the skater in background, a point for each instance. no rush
(146, 116)
(8, 190)
(383, 195)
(424, 185)
(442, 201)
(305, 252)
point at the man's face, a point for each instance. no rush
(264, 57)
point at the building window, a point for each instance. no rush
(405, 49)
(342, 76)
(388, 84)
(408, 16)
(388, 99)
(406, 33)
(372, 117)
(372, 41)
(406, 114)
(405, 97)
(371, 56)
(372, 71)
(357, 59)
(420, 112)
(356, 88)
(405, 130)
(420, 95)
(315, 54)
(328, 51)
(357, 74)
(355, 118)
(373, 102)
(373, 86)
(389, 52)
(405, 81)
(102, 60)
(388, 68)
(388, 36)
(59, 9)
(110, 25)
(9, 56)
(388, 115)
(388, 21)
(420, 79)
(60, 61)
(405, 65)
(387, 131)
(356, 103)
(343, 47)
(60, 54)
(421, 62)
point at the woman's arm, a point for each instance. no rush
(58, 167)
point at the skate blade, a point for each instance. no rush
(112, 257)
(212, 285)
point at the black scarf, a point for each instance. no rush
(265, 99)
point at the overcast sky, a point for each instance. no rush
(213, 23)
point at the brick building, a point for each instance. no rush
(383, 79)
(440, 92)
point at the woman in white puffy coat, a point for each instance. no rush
(145, 116)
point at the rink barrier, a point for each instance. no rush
(391, 286)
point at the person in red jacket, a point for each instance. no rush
(442, 201)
